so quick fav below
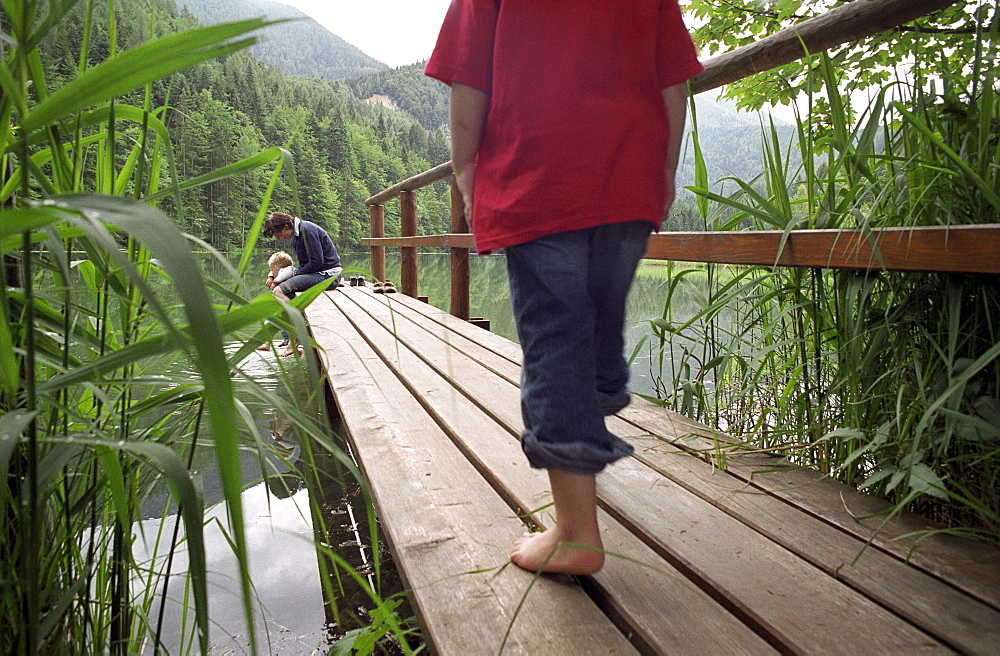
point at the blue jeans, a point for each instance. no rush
(568, 291)
(304, 281)
(300, 283)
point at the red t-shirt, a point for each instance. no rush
(576, 132)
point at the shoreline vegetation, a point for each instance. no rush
(889, 382)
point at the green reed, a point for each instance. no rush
(887, 381)
(85, 336)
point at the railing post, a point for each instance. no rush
(459, 258)
(408, 228)
(377, 216)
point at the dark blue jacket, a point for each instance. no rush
(314, 248)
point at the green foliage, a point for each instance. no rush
(942, 44)
(888, 381)
(228, 108)
(102, 297)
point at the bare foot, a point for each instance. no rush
(543, 551)
(290, 350)
(266, 346)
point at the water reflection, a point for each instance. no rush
(288, 606)
(289, 611)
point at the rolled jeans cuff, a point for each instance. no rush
(575, 457)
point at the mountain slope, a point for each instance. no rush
(299, 47)
(410, 90)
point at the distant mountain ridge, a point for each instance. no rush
(300, 47)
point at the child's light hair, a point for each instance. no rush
(279, 260)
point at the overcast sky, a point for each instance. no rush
(395, 32)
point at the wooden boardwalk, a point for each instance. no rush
(754, 559)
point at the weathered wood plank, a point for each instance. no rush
(967, 565)
(493, 352)
(450, 325)
(932, 249)
(971, 566)
(686, 531)
(937, 249)
(666, 614)
(424, 489)
(951, 616)
(768, 586)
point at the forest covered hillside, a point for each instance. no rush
(300, 46)
(410, 90)
(218, 113)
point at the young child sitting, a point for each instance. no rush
(281, 269)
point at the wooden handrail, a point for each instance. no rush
(428, 177)
(927, 249)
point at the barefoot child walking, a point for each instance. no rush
(566, 123)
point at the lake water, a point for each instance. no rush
(290, 613)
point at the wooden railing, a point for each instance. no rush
(944, 249)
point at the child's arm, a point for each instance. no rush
(284, 274)
(675, 98)
(468, 118)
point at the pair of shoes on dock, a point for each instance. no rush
(384, 287)
(358, 281)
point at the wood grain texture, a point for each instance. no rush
(955, 249)
(968, 565)
(755, 560)
(663, 611)
(443, 520)
(749, 593)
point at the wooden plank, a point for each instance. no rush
(424, 490)
(951, 616)
(453, 240)
(771, 589)
(496, 353)
(666, 614)
(937, 249)
(966, 564)
(758, 579)
(969, 565)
